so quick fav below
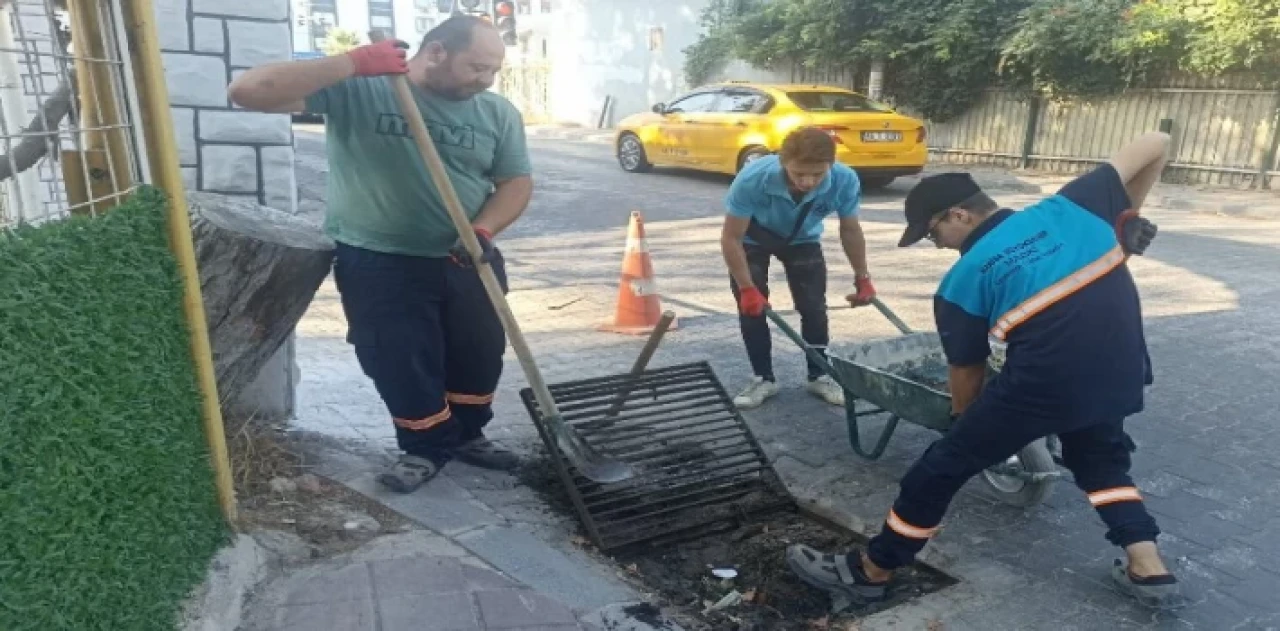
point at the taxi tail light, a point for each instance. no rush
(921, 135)
(834, 132)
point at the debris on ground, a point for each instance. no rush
(296, 514)
(738, 580)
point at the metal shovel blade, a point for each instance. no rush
(591, 464)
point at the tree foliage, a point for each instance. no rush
(939, 54)
(340, 40)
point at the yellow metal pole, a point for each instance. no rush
(163, 154)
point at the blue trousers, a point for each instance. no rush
(1097, 453)
(426, 334)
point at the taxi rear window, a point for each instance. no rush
(835, 102)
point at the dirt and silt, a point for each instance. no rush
(736, 579)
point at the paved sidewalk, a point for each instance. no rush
(418, 593)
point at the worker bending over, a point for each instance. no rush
(423, 328)
(776, 207)
(1049, 289)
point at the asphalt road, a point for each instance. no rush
(1207, 441)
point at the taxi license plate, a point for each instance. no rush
(881, 136)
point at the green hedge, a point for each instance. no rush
(108, 516)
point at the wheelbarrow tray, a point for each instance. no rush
(904, 376)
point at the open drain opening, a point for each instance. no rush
(678, 569)
(705, 499)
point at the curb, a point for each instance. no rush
(576, 134)
(218, 603)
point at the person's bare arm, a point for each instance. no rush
(1140, 163)
(965, 383)
(284, 87)
(509, 200)
(855, 245)
(735, 256)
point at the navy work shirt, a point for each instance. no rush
(1048, 284)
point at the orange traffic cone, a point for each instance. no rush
(639, 305)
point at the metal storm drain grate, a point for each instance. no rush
(696, 461)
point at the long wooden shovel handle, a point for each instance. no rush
(440, 177)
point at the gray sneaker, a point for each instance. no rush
(408, 473)
(483, 453)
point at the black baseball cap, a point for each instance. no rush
(932, 195)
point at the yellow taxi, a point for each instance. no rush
(721, 127)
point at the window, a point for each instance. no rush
(524, 7)
(656, 37)
(545, 6)
(424, 24)
(742, 102)
(699, 102)
(835, 102)
(382, 21)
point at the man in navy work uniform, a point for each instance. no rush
(1049, 287)
(418, 316)
(776, 206)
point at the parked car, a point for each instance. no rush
(721, 127)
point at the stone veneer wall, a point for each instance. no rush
(228, 150)
(222, 148)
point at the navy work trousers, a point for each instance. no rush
(806, 271)
(428, 337)
(1097, 453)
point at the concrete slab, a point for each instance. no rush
(521, 608)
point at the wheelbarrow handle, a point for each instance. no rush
(892, 317)
(818, 358)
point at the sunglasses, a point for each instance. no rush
(931, 234)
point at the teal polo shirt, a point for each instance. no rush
(760, 192)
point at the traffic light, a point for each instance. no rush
(505, 19)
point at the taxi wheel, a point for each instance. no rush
(631, 155)
(750, 154)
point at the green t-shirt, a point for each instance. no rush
(380, 196)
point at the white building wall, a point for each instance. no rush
(628, 49)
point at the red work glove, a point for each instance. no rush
(460, 255)
(751, 302)
(865, 292)
(382, 58)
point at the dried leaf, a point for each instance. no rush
(850, 625)
(749, 596)
(634, 569)
(820, 624)
(934, 625)
(579, 540)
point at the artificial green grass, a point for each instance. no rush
(108, 515)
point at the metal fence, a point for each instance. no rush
(528, 87)
(67, 110)
(1223, 135)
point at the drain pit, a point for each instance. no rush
(678, 570)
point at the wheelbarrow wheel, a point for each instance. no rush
(1026, 479)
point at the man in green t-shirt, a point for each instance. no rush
(418, 317)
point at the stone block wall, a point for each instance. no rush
(222, 148)
(228, 150)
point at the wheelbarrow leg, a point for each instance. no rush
(855, 434)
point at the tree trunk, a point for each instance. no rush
(259, 269)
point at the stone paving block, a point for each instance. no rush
(407, 576)
(441, 510)
(345, 615)
(568, 576)
(337, 585)
(518, 608)
(480, 578)
(438, 612)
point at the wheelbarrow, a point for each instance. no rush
(904, 379)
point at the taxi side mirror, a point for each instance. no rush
(660, 108)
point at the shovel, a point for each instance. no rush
(591, 464)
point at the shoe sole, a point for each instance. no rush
(394, 483)
(1164, 597)
(859, 594)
